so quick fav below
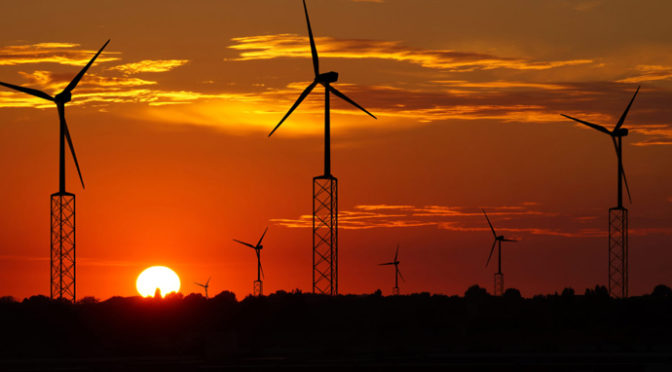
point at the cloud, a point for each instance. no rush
(500, 84)
(149, 65)
(46, 80)
(649, 73)
(295, 46)
(656, 135)
(60, 53)
(452, 218)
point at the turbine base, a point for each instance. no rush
(258, 288)
(618, 252)
(62, 257)
(325, 235)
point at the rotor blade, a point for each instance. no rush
(313, 50)
(261, 268)
(72, 151)
(627, 188)
(491, 228)
(199, 284)
(31, 91)
(78, 77)
(243, 243)
(491, 251)
(296, 104)
(396, 254)
(625, 113)
(208, 282)
(594, 126)
(401, 276)
(625, 179)
(343, 96)
(262, 236)
(509, 240)
(387, 263)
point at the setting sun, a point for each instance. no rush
(157, 277)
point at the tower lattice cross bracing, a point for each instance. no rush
(325, 235)
(618, 252)
(63, 246)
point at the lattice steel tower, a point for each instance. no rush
(618, 216)
(325, 187)
(62, 237)
(325, 235)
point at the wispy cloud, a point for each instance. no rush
(649, 73)
(295, 46)
(149, 65)
(452, 218)
(60, 53)
(500, 84)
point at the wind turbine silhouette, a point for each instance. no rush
(617, 138)
(397, 273)
(325, 187)
(258, 289)
(60, 100)
(325, 79)
(205, 286)
(618, 216)
(499, 276)
(62, 255)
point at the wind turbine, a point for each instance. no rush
(325, 192)
(499, 276)
(618, 216)
(258, 285)
(205, 286)
(397, 273)
(62, 272)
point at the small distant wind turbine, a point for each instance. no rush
(205, 286)
(258, 286)
(499, 276)
(397, 273)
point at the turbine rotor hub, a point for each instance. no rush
(63, 97)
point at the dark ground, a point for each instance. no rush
(296, 331)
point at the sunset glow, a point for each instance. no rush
(171, 123)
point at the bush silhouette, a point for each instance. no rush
(662, 291)
(476, 292)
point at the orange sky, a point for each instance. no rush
(170, 127)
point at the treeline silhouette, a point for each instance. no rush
(298, 324)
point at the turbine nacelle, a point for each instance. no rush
(620, 132)
(327, 77)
